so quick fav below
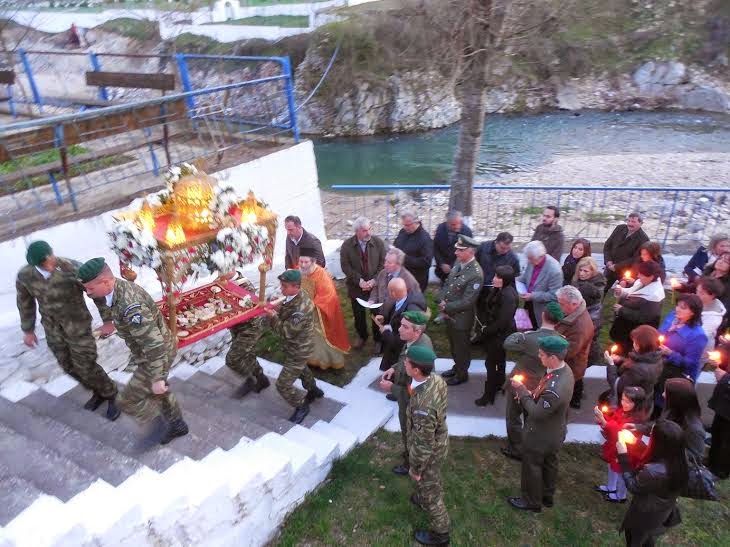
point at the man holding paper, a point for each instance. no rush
(540, 281)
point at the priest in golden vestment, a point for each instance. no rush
(331, 341)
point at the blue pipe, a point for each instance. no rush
(96, 67)
(286, 69)
(31, 81)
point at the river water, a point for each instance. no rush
(517, 143)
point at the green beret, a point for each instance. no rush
(555, 310)
(37, 253)
(90, 269)
(553, 345)
(291, 276)
(415, 317)
(421, 355)
(466, 242)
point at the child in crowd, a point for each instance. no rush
(633, 409)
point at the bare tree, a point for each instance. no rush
(490, 30)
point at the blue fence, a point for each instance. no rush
(53, 82)
(673, 216)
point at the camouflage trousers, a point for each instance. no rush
(241, 357)
(430, 495)
(401, 394)
(138, 400)
(74, 347)
(292, 371)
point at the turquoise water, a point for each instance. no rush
(517, 143)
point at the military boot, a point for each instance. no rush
(312, 394)
(300, 413)
(112, 410)
(262, 382)
(94, 403)
(176, 428)
(246, 387)
(427, 537)
(487, 397)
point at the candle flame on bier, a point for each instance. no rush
(175, 234)
(626, 437)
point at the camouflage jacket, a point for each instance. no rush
(60, 298)
(142, 326)
(428, 436)
(295, 324)
(460, 293)
(400, 377)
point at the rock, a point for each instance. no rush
(694, 227)
(652, 78)
(703, 98)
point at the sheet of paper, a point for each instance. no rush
(521, 287)
(366, 304)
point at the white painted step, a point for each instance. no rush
(325, 448)
(301, 456)
(40, 524)
(346, 440)
(363, 419)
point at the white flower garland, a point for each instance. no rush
(134, 246)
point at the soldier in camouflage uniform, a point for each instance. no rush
(428, 442)
(293, 322)
(458, 300)
(51, 282)
(395, 380)
(241, 356)
(547, 412)
(142, 326)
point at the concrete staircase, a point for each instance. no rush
(69, 477)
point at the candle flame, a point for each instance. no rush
(519, 378)
(715, 356)
(614, 348)
(626, 437)
(661, 339)
(627, 274)
(675, 283)
(175, 234)
(604, 408)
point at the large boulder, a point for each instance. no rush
(705, 98)
(654, 78)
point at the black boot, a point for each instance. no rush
(427, 537)
(94, 403)
(176, 428)
(487, 397)
(577, 394)
(262, 382)
(112, 410)
(246, 388)
(300, 413)
(312, 394)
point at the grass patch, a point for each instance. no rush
(531, 211)
(50, 156)
(363, 503)
(288, 21)
(600, 217)
(142, 30)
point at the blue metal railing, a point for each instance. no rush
(672, 215)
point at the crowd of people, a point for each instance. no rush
(548, 316)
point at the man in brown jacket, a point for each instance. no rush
(297, 237)
(577, 327)
(361, 259)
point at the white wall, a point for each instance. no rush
(240, 12)
(286, 180)
(231, 33)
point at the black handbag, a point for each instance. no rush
(700, 483)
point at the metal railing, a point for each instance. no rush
(673, 216)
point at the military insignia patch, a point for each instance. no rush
(477, 285)
(136, 319)
(546, 404)
(420, 412)
(130, 308)
(296, 318)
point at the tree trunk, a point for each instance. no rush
(473, 109)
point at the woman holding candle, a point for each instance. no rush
(591, 283)
(640, 304)
(641, 367)
(501, 304)
(684, 338)
(580, 248)
(718, 460)
(719, 244)
(720, 270)
(649, 251)
(655, 485)
(632, 409)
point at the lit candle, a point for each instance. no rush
(519, 378)
(714, 356)
(626, 437)
(675, 283)
(661, 339)
(604, 409)
(627, 274)
(174, 234)
(614, 348)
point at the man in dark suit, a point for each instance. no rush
(444, 240)
(361, 259)
(418, 246)
(297, 237)
(388, 321)
(621, 249)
